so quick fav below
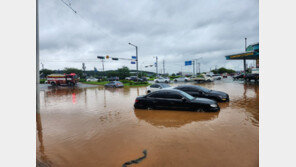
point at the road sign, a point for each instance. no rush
(188, 63)
(133, 62)
(134, 57)
(101, 57)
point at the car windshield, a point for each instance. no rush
(165, 85)
(204, 89)
(187, 95)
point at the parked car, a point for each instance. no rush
(250, 77)
(165, 80)
(174, 99)
(144, 79)
(239, 76)
(182, 79)
(224, 75)
(113, 79)
(114, 84)
(198, 91)
(203, 78)
(135, 79)
(157, 86)
(217, 77)
(91, 79)
(128, 78)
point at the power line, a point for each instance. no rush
(69, 6)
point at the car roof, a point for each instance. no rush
(161, 84)
(188, 86)
(168, 90)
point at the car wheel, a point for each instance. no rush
(157, 81)
(166, 81)
(175, 80)
(148, 91)
(186, 80)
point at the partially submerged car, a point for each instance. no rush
(173, 99)
(157, 86)
(163, 80)
(114, 84)
(91, 79)
(182, 79)
(198, 91)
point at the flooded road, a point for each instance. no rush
(94, 126)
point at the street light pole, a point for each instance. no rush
(245, 59)
(136, 57)
(37, 60)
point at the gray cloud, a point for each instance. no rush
(174, 31)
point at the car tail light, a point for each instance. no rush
(136, 101)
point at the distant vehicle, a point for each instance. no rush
(198, 91)
(114, 84)
(217, 77)
(113, 79)
(255, 71)
(250, 77)
(62, 79)
(144, 79)
(172, 99)
(239, 76)
(254, 75)
(127, 78)
(135, 79)
(203, 78)
(157, 86)
(182, 79)
(165, 80)
(224, 75)
(91, 79)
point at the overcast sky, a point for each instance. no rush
(174, 31)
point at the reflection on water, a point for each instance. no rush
(166, 118)
(95, 126)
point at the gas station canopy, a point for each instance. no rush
(252, 53)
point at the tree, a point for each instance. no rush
(73, 70)
(45, 72)
(223, 70)
(123, 72)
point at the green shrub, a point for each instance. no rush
(42, 81)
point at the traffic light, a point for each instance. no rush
(114, 58)
(107, 57)
(101, 57)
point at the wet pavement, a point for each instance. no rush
(94, 126)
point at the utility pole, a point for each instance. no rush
(37, 60)
(163, 67)
(137, 60)
(156, 65)
(83, 68)
(193, 65)
(199, 68)
(245, 59)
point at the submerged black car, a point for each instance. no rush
(198, 91)
(175, 100)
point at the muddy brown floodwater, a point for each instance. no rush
(94, 126)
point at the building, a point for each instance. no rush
(252, 53)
